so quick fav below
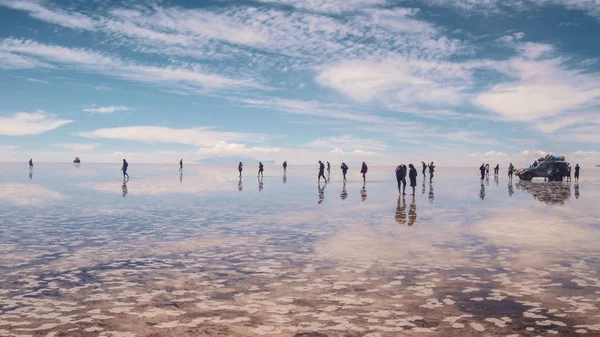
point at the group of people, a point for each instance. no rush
(485, 170)
(431, 170)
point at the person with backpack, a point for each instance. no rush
(344, 168)
(482, 169)
(401, 178)
(412, 175)
(124, 169)
(364, 168)
(431, 170)
(321, 172)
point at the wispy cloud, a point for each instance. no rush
(34, 123)
(77, 147)
(55, 16)
(107, 109)
(347, 143)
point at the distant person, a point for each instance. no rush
(363, 169)
(482, 170)
(424, 168)
(344, 193)
(577, 168)
(535, 163)
(344, 168)
(511, 170)
(284, 166)
(487, 170)
(240, 168)
(30, 164)
(124, 169)
(321, 172)
(328, 168)
(401, 178)
(497, 169)
(180, 165)
(261, 169)
(431, 170)
(412, 175)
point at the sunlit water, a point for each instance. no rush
(202, 254)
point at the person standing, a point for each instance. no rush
(401, 178)
(328, 168)
(431, 170)
(180, 165)
(321, 172)
(487, 170)
(124, 169)
(412, 176)
(424, 169)
(511, 169)
(240, 168)
(261, 169)
(364, 168)
(496, 169)
(30, 163)
(344, 168)
(482, 169)
(284, 167)
(577, 168)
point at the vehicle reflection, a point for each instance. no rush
(547, 192)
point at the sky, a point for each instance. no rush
(458, 82)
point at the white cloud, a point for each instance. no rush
(534, 153)
(329, 6)
(347, 142)
(14, 61)
(108, 109)
(76, 147)
(200, 136)
(28, 194)
(24, 123)
(223, 148)
(490, 7)
(55, 16)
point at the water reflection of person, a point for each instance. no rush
(180, 176)
(496, 180)
(423, 187)
(240, 186)
(482, 191)
(412, 213)
(401, 211)
(363, 193)
(30, 174)
(431, 196)
(487, 181)
(321, 191)
(260, 184)
(511, 190)
(344, 193)
(576, 188)
(124, 188)
(284, 178)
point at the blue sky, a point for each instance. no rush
(458, 82)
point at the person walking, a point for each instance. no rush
(321, 172)
(431, 170)
(180, 165)
(284, 167)
(401, 178)
(482, 169)
(511, 170)
(412, 175)
(364, 168)
(344, 168)
(424, 169)
(240, 168)
(124, 169)
(497, 170)
(30, 163)
(577, 168)
(261, 169)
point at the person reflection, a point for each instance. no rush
(487, 181)
(423, 187)
(511, 190)
(260, 184)
(482, 191)
(576, 188)
(321, 191)
(284, 177)
(412, 213)
(344, 193)
(180, 176)
(401, 211)
(30, 174)
(431, 196)
(240, 186)
(124, 188)
(363, 193)
(496, 180)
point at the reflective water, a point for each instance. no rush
(204, 253)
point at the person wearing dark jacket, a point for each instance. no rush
(401, 178)
(124, 169)
(30, 164)
(261, 169)
(482, 169)
(511, 170)
(412, 175)
(431, 170)
(577, 168)
(240, 168)
(363, 170)
(180, 165)
(321, 172)
(424, 168)
(284, 166)
(344, 168)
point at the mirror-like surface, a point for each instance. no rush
(204, 253)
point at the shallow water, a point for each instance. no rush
(201, 254)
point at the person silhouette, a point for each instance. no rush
(180, 165)
(424, 169)
(344, 193)
(328, 168)
(431, 170)
(284, 167)
(497, 169)
(30, 164)
(401, 178)
(240, 168)
(124, 169)
(363, 193)
(577, 169)
(261, 169)
(400, 215)
(321, 172)
(181, 176)
(412, 212)
(363, 169)
(412, 176)
(511, 169)
(344, 168)
(482, 170)
(321, 192)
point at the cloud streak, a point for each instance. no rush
(33, 123)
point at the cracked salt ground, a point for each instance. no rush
(204, 259)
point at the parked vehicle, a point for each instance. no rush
(550, 167)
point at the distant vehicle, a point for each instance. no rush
(548, 167)
(76, 160)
